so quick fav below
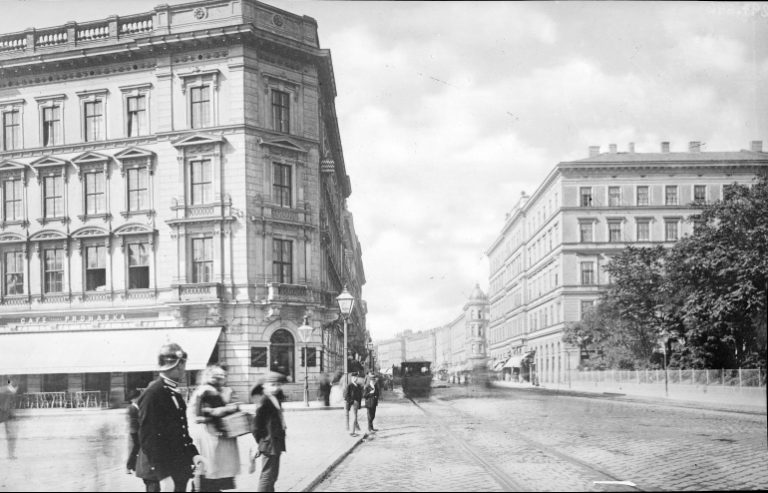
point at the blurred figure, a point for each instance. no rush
(270, 429)
(353, 396)
(167, 453)
(210, 402)
(8, 416)
(133, 430)
(325, 389)
(371, 396)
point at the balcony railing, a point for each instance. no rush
(200, 291)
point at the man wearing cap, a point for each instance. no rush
(269, 430)
(166, 450)
(353, 396)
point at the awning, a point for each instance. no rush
(516, 360)
(499, 365)
(98, 351)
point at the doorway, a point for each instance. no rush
(282, 352)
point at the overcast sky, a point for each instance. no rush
(448, 111)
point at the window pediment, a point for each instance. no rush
(11, 238)
(283, 143)
(133, 229)
(90, 232)
(199, 77)
(49, 165)
(48, 234)
(134, 157)
(199, 139)
(12, 166)
(89, 161)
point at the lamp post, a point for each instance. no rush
(346, 302)
(305, 332)
(664, 337)
(370, 354)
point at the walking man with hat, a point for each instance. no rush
(269, 430)
(166, 452)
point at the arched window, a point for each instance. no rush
(282, 353)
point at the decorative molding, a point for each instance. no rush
(89, 232)
(48, 234)
(199, 139)
(283, 143)
(133, 229)
(11, 238)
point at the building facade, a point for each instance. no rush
(547, 265)
(174, 175)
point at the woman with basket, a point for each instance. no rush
(215, 430)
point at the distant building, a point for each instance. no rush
(546, 265)
(173, 175)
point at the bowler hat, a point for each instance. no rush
(170, 356)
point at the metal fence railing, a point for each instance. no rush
(723, 377)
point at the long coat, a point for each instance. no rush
(269, 432)
(371, 395)
(166, 447)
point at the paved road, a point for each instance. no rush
(526, 440)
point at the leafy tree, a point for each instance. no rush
(723, 272)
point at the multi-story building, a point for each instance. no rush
(174, 175)
(546, 266)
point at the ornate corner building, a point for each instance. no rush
(174, 175)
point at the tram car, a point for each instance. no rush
(416, 378)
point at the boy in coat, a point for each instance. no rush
(269, 431)
(353, 396)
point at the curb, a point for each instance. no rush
(324, 474)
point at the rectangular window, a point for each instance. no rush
(95, 268)
(642, 195)
(13, 266)
(643, 230)
(138, 189)
(282, 184)
(614, 231)
(53, 270)
(585, 231)
(308, 354)
(259, 357)
(95, 197)
(586, 306)
(614, 196)
(138, 265)
(281, 111)
(200, 103)
(55, 382)
(12, 194)
(587, 273)
(586, 196)
(700, 194)
(202, 260)
(136, 118)
(11, 130)
(94, 120)
(53, 191)
(51, 125)
(670, 195)
(97, 381)
(670, 230)
(282, 261)
(201, 181)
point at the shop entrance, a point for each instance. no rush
(282, 353)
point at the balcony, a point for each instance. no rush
(287, 292)
(208, 291)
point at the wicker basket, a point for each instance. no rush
(236, 424)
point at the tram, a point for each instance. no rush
(416, 378)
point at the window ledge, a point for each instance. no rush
(106, 216)
(46, 220)
(22, 223)
(146, 212)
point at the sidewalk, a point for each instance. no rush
(86, 450)
(726, 399)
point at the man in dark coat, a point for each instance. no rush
(166, 447)
(269, 431)
(133, 430)
(353, 396)
(371, 396)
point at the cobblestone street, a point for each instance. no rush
(524, 440)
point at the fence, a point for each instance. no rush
(726, 378)
(50, 400)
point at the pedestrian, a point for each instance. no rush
(167, 452)
(352, 397)
(133, 430)
(8, 416)
(270, 429)
(325, 389)
(212, 401)
(371, 396)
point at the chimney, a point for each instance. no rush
(631, 147)
(694, 146)
(757, 146)
(665, 147)
(612, 148)
(594, 151)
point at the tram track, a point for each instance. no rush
(507, 482)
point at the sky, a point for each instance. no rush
(449, 110)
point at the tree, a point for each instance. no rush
(722, 270)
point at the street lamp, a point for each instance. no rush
(305, 332)
(346, 302)
(370, 354)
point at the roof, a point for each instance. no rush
(477, 294)
(667, 157)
